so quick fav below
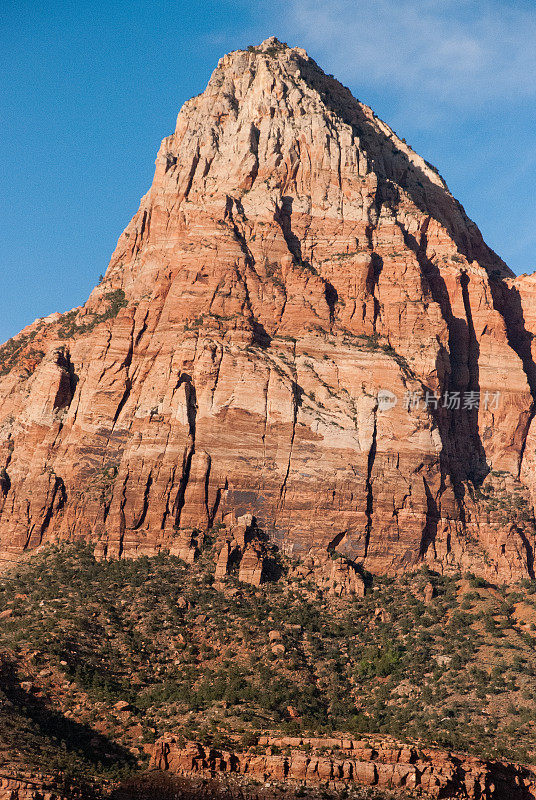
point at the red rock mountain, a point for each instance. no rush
(292, 259)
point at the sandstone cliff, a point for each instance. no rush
(292, 259)
(340, 763)
(34, 787)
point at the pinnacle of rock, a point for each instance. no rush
(292, 259)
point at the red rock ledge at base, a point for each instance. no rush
(32, 788)
(335, 763)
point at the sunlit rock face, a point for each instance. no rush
(292, 260)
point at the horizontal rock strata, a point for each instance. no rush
(293, 261)
(34, 788)
(338, 763)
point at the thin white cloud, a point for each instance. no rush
(463, 54)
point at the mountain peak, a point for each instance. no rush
(293, 261)
(270, 110)
(272, 43)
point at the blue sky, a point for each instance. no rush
(91, 87)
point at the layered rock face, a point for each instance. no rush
(292, 260)
(36, 787)
(339, 763)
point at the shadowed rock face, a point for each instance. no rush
(292, 258)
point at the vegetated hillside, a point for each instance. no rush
(101, 657)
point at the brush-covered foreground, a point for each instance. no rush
(163, 786)
(99, 658)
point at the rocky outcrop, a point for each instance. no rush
(331, 572)
(244, 548)
(33, 788)
(251, 566)
(185, 546)
(296, 283)
(338, 763)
